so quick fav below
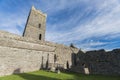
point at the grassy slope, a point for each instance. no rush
(43, 75)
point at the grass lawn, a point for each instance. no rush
(43, 75)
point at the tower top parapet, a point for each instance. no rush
(38, 11)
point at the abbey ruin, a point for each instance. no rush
(30, 52)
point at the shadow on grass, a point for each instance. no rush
(27, 76)
(78, 76)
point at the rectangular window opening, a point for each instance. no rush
(39, 25)
(40, 37)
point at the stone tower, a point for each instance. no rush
(36, 25)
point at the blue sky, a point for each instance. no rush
(88, 24)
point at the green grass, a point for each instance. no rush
(44, 75)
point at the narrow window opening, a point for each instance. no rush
(40, 36)
(55, 58)
(39, 25)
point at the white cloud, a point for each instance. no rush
(11, 23)
(107, 22)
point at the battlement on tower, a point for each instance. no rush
(38, 11)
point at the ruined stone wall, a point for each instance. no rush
(19, 54)
(65, 55)
(99, 62)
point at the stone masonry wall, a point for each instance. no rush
(98, 62)
(36, 24)
(19, 54)
(14, 60)
(65, 55)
